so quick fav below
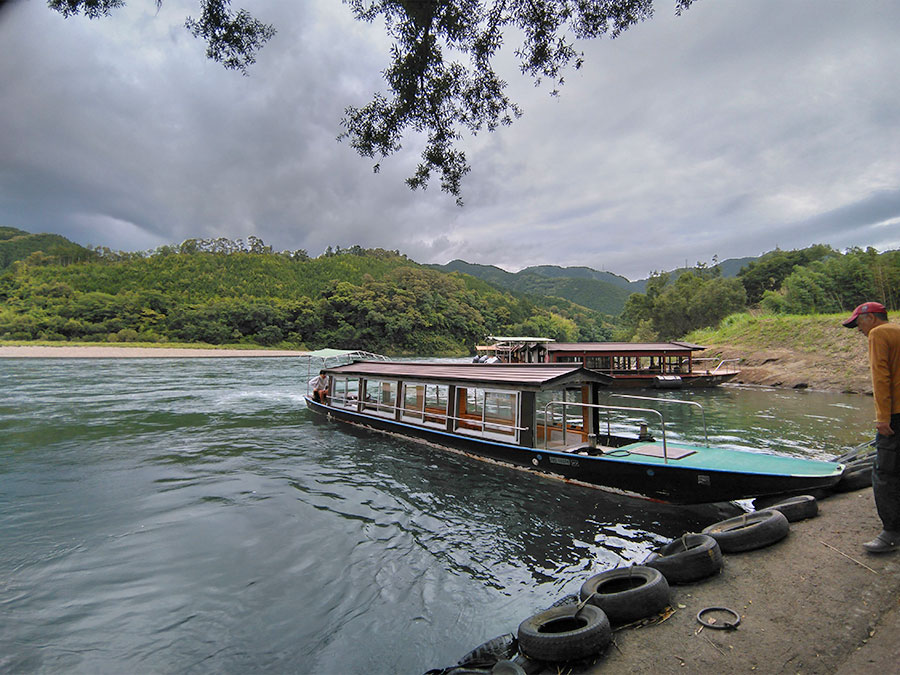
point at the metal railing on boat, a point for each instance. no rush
(669, 400)
(608, 409)
(731, 365)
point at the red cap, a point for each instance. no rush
(865, 308)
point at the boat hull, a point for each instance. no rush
(685, 381)
(665, 482)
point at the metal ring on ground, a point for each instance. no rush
(727, 625)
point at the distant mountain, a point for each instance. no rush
(18, 244)
(728, 268)
(601, 291)
(489, 273)
(578, 273)
(732, 266)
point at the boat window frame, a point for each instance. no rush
(490, 429)
(424, 415)
(562, 422)
(378, 406)
(341, 396)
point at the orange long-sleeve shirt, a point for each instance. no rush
(884, 360)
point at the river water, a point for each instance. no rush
(191, 516)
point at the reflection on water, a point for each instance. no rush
(191, 515)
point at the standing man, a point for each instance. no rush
(884, 360)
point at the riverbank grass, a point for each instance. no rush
(811, 333)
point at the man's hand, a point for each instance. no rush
(884, 428)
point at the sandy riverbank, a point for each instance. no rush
(91, 352)
(793, 369)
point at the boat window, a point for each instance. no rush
(677, 364)
(623, 364)
(572, 395)
(559, 425)
(488, 413)
(346, 392)
(597, 363)
(425, 403)
(413, 401)
(380, 397)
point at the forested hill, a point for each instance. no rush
(231, 292)
(599, 290)
(223, 292)
(17, 244)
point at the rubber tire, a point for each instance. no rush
(855, 479)
(554, 635)
(868, 461)
(749, 531)
(689, 558)
(769, 501)
(797, 508)
(570, 599)
(487, 654)
(646, 593)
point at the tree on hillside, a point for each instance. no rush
(441, 78)
(838, 283)
(769, 271)
(696, 299)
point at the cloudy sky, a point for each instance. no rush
(738, 127)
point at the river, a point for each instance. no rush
(191, 516)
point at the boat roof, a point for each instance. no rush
(530, 376)
(519, 339)
(623, 347)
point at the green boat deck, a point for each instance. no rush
(721, 459)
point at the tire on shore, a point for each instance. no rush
(562, 634)
(490, 652)
(797, 508)
(749, 531)
(689, 558)
(628, 594)
(855, 478)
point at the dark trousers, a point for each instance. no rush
(886, 477)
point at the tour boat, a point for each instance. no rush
(547, 418)
(659, 365)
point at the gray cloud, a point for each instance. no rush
(730, 130)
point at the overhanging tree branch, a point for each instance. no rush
(441, 80)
